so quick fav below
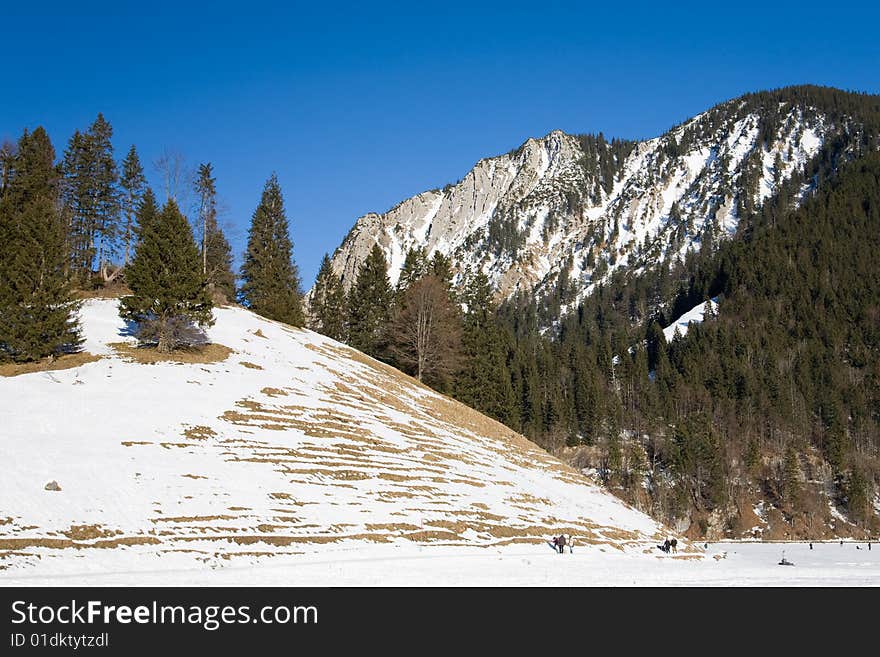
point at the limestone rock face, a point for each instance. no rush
(567, 210)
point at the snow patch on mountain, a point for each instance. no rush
(695, 315)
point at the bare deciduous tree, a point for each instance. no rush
(426, 331)
(171, 165)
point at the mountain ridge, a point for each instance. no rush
(571, 209)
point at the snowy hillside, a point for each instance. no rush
(292, 443)
(574, 209)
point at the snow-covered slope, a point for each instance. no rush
(570, 210)
(293, 443)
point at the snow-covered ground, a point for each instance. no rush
(292, 446)
(737, 564)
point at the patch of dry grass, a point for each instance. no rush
(65, 362)
(88, 532)
(114, 291)
(209, 353)
(250, 366)
(273, 392)
(180, 519)
(199, 432)
(62, 543)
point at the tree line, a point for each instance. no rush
(86, 221)
(444, 335)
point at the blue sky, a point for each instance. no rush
(358, 107)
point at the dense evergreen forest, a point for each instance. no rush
(778, 389)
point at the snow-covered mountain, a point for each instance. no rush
(566, 209)
(287, 443)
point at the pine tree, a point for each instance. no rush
(92, 199)
(614, 470)
(206, 190)
(270, 277)
(415, 265)
(483, 383)
(221, 279)
(132, 183)
(327, 307)
(441, 267)
(791, 475)
(215, 249)
(7, 156)
(37, 315)
(169, 302)
(369, 306)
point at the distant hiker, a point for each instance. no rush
(560, 543)
(665, 546)
(869, 547)
(674, 545)
(811, 546)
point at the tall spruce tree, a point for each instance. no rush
(37, 315)
(216, 252)
(132, 184)
(441, 267)
(169, 302)
(270, 278)
(92, 198)
(7, 153)
(369, 306)
(415, 266)
(327, 308)
(484, 382)
(206, 191)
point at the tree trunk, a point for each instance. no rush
(164, 345)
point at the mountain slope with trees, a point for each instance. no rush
(763, 420)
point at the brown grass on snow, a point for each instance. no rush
(273, 392)
(89, 532)
(209, 353)
(199, 432)
(64, 362)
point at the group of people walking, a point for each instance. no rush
(559, 542)
(669, 545)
